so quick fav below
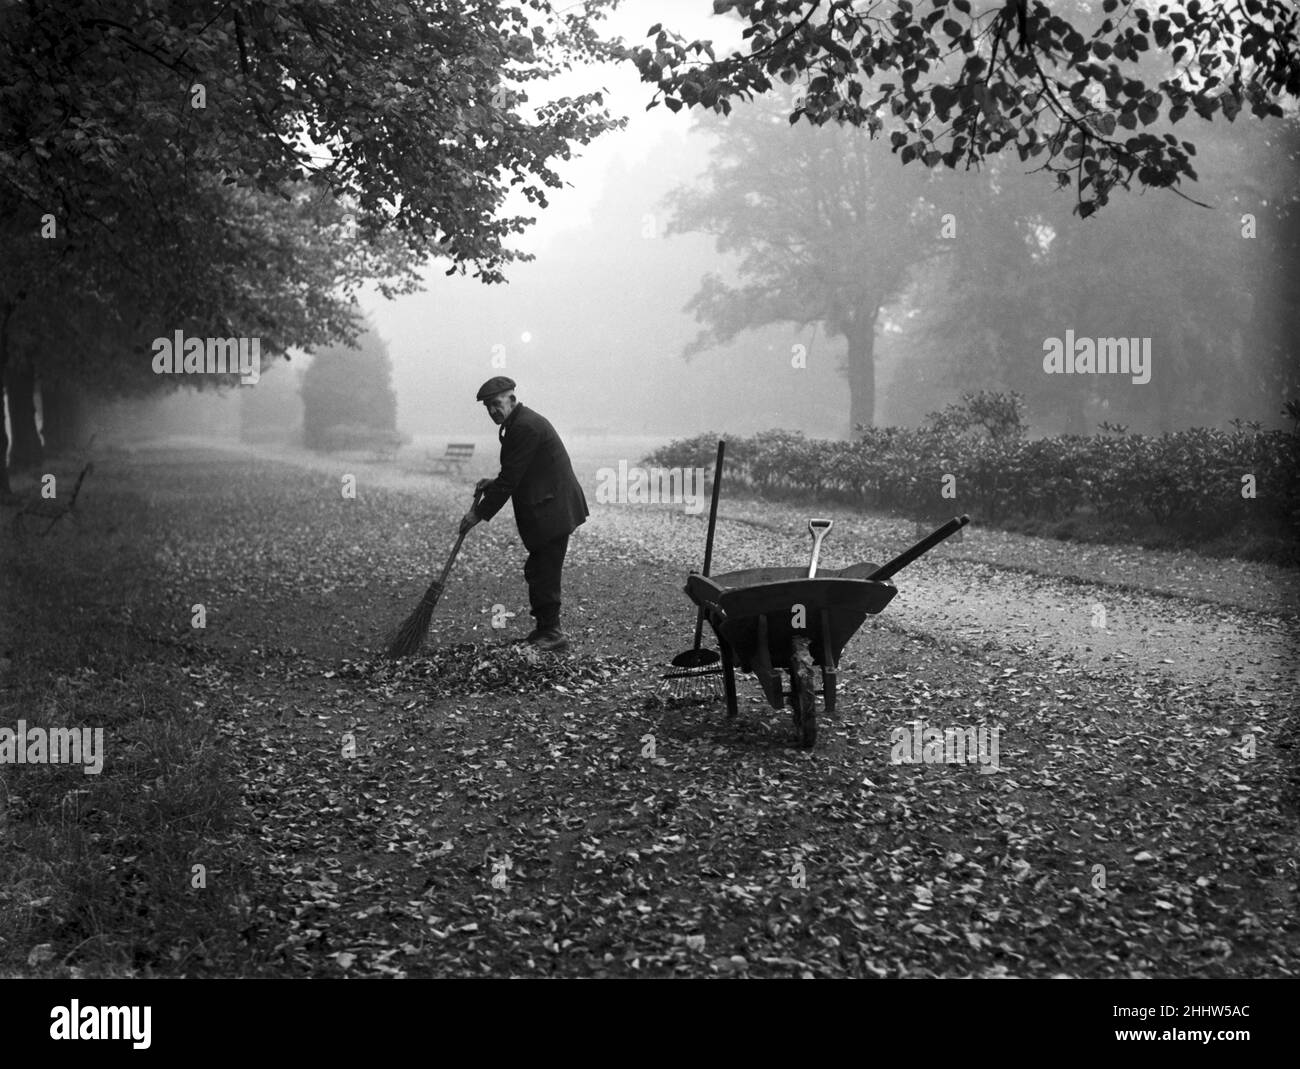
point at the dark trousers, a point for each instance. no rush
(542, 573)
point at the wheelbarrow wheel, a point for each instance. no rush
(803, 695)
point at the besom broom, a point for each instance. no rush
(408, 638)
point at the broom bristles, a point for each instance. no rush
(408, 638)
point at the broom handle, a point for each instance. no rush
(438, 583)
(708, 541)
(446, 568)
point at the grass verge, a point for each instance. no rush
(98, 871)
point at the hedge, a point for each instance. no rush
(1191, 478)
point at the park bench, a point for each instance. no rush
(458, 454)
(51, 509)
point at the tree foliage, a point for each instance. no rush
(1206, 286)
(241, 168)
(1001, 415)
(1052, 80)
(416, 115)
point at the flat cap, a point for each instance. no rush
(494, 386)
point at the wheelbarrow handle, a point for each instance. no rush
(885, 571)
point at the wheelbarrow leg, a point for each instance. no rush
(729, 677)
(829, 668)
(768, 678)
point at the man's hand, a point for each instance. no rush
(468, 520)
(482, 485)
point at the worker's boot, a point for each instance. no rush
(550, 639)
(543, 625)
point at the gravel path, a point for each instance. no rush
(1229, 625)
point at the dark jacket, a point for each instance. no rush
(537, 473)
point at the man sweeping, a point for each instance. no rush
(549, 503)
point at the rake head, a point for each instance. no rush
(695, 674)
(700, 684)
(696, 658)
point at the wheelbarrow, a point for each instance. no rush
(793, 620)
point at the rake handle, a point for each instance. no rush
(708, 541)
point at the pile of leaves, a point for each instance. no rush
(468, 668)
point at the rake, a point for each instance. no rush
(696, 672)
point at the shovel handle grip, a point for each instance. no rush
(818, 529)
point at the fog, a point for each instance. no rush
(593, 329)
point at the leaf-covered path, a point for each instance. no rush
(1228, 624)
(479, 811)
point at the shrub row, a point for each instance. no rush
(1193, 476)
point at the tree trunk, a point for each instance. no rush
(20, 385)
(6, 314)
(63, 415)
(861, 336)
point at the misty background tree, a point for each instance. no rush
(273, 412)
(347, 395)
(824, 230)
(1022, 266)
(1201, 283)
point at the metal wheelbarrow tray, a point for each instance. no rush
(769, 620)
